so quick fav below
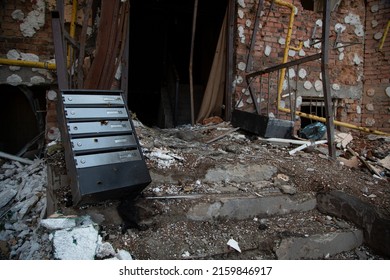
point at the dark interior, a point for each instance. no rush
(160, 42)
(22, 118)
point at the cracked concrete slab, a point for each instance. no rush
(248, 207)
(318, 246)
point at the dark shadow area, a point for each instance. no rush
(22, 115)
(160, 44)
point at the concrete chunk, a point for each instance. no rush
(76, 243)
(318, 246)
(248, 207)
(58, 223)
(6, 196)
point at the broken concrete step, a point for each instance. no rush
(303, 235)
(234, 207)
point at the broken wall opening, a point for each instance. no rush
(160, 43)
(22, 119)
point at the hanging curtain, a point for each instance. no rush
(213, 96)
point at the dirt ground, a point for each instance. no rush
(179, 160)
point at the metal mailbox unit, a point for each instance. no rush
(102, 151)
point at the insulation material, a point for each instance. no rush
(34, 19)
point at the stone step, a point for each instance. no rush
(301, 235)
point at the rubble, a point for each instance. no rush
(201, 195)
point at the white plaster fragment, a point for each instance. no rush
(356, 59)
(340, 47)
(302, 73)
(336, 87)
(239, 80)
(34, 20)
(359, 30)
(17, 15)
(245, 91)
(248, 23)
(374, 23)
(76, 244)
(14, 80)
(58, 223)
(370, 107)
(319, 22)
(14, 68)
(370, 121)
(282, 41)
(358, 109)
(29, 57)
(302, 52)
(240, 13)
(318, 85)
(52, 95)
(241, 34)
(118, 72)
(378, 36)
(36, 80)
(317, 45)
(374, 8)
(271, 115)
(285, 84)
(307, 43)
(299, 101)
(240, 104)
(291, 73)
(123, 255)
(241, 3)
(341, 56)
(249, 100)
(388, 91)
(13, 54)
(54, 134)
(355, 21)
(241, 66)
(291, 53)
(267, 50)
(320, 76)
(340, 27)
(282, 104)
(295, 10)
(307, 85)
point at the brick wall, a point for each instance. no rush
(25, 34)
(346, 63)
(376, 101)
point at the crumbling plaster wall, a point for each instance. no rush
(346, 63)
(25, 34)
(376, 97)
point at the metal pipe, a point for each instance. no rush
(72, 29)
(283, 72)
(191, 60)
(26, 63)
(384, 35)
(287, 47)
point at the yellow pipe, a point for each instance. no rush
(25, 63)
(286, 49)
(384, 35)
(72, 29)
(283, 73)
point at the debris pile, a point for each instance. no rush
(22, 206)
(25, 234)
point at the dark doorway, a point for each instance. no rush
(22, 115)
(160, 42)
